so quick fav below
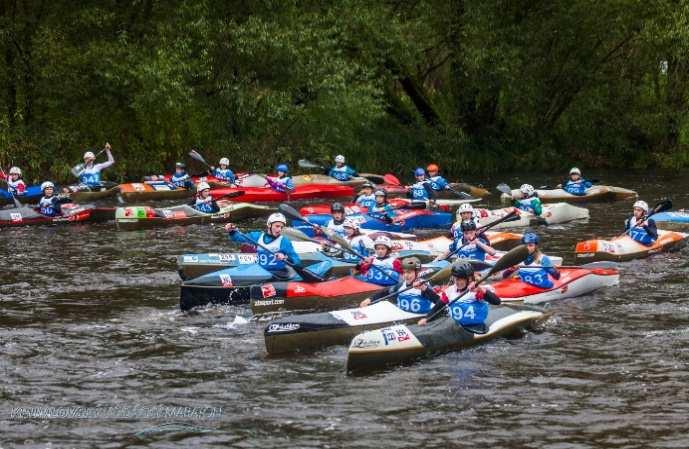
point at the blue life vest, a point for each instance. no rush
(226, 174)
(438, 183)
(47, 206)
(204, 205)
(470, 251)
(413, 300)
(367, 201)
(527, 204)
(266, 259)
(537, 276)
(180, 181)
(418, 191)
(577, 187)
(283, 184)
(90, 176)
(375, 275)
(343, 173)
(639, 234)
(466, 311)
(381, 212)
(362, 244)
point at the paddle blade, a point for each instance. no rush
(296, 234)
(504, 188)
(374, 178)
(391, 179)
(234, 194)
(77, 169)
(662, 206)
(515, 256)
(336, 238)
(196, 156)
(304, 163)
(441, 274)
(290, 212)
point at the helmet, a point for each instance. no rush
(530, 237)
(383, 240)
(411, 263)
(419, 172)
(527, 189)
(200, 187)
(282, 167)
(349, 223)
(462, 269)
(89, 155)
(337, 207)
(180, 165)
(47, 184)
(575, 171)
(432, 167)
(276, 217)
(340, 159)
(366, 185)
(381, 192)
(468, 225)
(465, 207)
(643, 205)
(15, 171)
(224, 161)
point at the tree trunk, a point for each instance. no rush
(9, 9)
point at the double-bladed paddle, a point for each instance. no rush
(197, 157)
(661, 206)
(77, 169)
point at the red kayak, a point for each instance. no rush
(303, 192)
(25, 216)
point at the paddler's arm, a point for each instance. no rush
(549, 267)
(537, 206)
(489, 296)
(485, 246)
(287, 249)
(393, 288)
(651, 228)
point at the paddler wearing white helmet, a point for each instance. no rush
(640, 226)
(381, 268)
(341, 171)
(529, 200)
(361, 243)
(203, 201)
(382, 210)
(90, 174)
(465, 212)
(15, 183)
(279, 247)
(50, 204)
(576, 184)
(223, 171)
(470, 244)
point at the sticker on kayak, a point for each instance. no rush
(226, 280)
(190, 259)
(15, 217)
(283, 327)
(268, 291)
(379, 313)
(138, 187)
(247, 258)
(160, 187)
(141, 213)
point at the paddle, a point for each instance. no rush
(231, 195)
(77, 169)
(460, 194)
(391, 179)
(504, 188)
(305, 163)
(303, 272)
(440, 274)
(197, 157)
(514, 257)
(662, 206)
(588, 266)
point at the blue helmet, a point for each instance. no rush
(282, 167)
(419, 172)
(530, 237)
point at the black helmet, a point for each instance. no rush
(337, 207)
(462, 269)
(468, 225)
(411, 263)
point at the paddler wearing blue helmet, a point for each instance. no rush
(421, 190)
(537, 269)
(282, 182)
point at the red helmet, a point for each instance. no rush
(433, 167)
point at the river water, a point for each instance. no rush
(89, 318)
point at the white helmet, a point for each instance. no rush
(340, 159)
(47, 184)
(465, 207)
(276, 217)
(527, 189)
(383, 240)
(349, 223)
(575, 171)
(643, 205)
(224, 161)
(89, 155)
(15, 171)
(200, 187)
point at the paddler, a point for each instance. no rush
(340, 171)
(437, 182)
(366, 198)
(529, 201)
(280, 246)
(421, 190)
(50, 205)
(382, 268)
(361, 243)
(576, 185)
(465, 212)
(15, 183)
(471, 309)
(203, 201)
(537, 269)
(336, 223)
(382, 210)
(180, 179)
(640, 227)
(416, 295)
(469, 245)
(282, 182)
(90, 174)
(223, 172)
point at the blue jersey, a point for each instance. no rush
(438, 183)
(284, 184)
(413, 300)
(382, 272)
(645, 235)
(384, 212)
(225, 174)
(50, 207)
(467, 310)
(181, 181)
(361, 244)
(532, 205)
(367, 201)
(539, 274)
(420, 191)
(344, 173)
(267, 259)
(206, 205)
(577, 187)
(470, 250)
(90, 175)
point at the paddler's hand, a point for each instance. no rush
(280, 256)
(422, 322)
(421, 285)
(368, 260)
(107, 146)
(230, 227)
(365, 302)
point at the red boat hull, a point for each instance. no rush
(303, 192)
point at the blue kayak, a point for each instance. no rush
(676, 220)
(31, 195)
(404, 222)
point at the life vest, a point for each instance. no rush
(16, 187)
(380, 212)
(638, 233)
(438, 183)
(367, 201)
(471, 250)
(224, 174)
(577, 187)
(362, 244)
(204, 205)
(90, 175)
(468, 310)
(337, 227)
(47, 206)
(266, 259)
(180, 181)
(343, 173)
(527, 204)
(418, 191)
(375, 275)
(536, 276)
(413, 300)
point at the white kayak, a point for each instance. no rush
(555, 213)
(595, 193)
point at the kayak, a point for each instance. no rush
(152, 191)
(302, 192)
(573, 282)
(139, 217)
(400, 344)
(555, 213)
(625, 248)
(406, 220)
(478, 192)
(232, 285)
(31, 195)
(396, 203)
(316, 178)
(595, 193)
(677, 220)
(328, 295)
(82, 192)
(25, 216)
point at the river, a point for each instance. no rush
(89, 321)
